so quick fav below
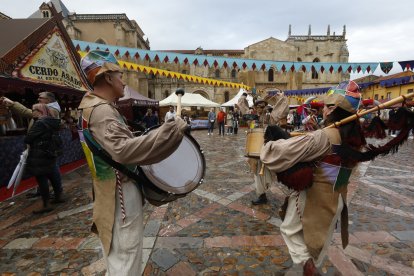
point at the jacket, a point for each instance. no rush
(41, 160)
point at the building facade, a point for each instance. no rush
(385, 88)
(110, 29)
(119, 30)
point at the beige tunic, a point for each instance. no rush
(109, 130)
(321, 199)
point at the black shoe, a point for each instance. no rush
(58, 199)
(33, 194)
(262, 199)
(43, 210)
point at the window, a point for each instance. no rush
(315, 74)
(100, 41)
(150, 94)
(217, 73)
(376, 97)
(166, 94)
(410, 91)
(45, 14)
(270, 76)
(233, 73)
(184, 72)
(226, 96)
(317, 48)
(388, 95)
(299, 59)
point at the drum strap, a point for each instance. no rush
(99, 151)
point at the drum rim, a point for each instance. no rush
(168, 189)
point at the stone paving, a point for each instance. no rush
(215, 230)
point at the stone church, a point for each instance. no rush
(118, 29)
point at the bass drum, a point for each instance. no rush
(175, 176)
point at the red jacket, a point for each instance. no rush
(220, 116)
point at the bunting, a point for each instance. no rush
(224, 62)
(169, 74)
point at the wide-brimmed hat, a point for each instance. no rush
(346, 95)
(97, 62)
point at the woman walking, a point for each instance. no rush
(43, 153)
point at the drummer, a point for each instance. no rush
(117, 208)
(278, 115)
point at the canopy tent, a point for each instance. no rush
(188, 100)
(133, 105)
(234, 101)
(134, 98)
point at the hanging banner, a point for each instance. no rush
(52, 64)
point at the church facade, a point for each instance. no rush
(119, 30)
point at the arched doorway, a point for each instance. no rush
(202, 93)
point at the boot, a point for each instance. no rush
(262, 199)
(309, 268)
(46, 208)
(58, 199)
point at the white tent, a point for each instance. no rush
(188, 100)
(234, 101)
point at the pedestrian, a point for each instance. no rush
(49, 99)
(312, 213)
(41, 159)
(170, 114)
(229, 122)
(221, 118)
(150, 119)
(118, 204)
(236, 121)
(211, 120)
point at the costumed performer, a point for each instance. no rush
(312, 213)
(280, 110)
(117, 208)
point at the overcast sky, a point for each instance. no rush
(377, 30)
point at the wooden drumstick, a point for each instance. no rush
(179, 92)
(262, 169)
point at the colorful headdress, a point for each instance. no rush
(346, 95)
(97, 62)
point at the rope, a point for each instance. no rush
(297, 206)
(121, 195)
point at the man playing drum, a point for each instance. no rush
(117, 209)
(278, 116)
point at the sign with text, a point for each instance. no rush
(53, 64)
(199, 124)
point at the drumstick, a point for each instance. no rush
(179, 92)
(262, 170)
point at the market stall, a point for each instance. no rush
(37, 56)
(191, 100)
(236, 98)
(133, 105)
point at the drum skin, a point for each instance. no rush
(175, 176)
(254, 142)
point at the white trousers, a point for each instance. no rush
(262, 182)
(125, 256)
(292, 230)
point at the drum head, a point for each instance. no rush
(181, 172)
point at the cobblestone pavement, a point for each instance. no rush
(215, 230)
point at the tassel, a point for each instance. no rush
(376, 129)
(299, 177)
(400, 118)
